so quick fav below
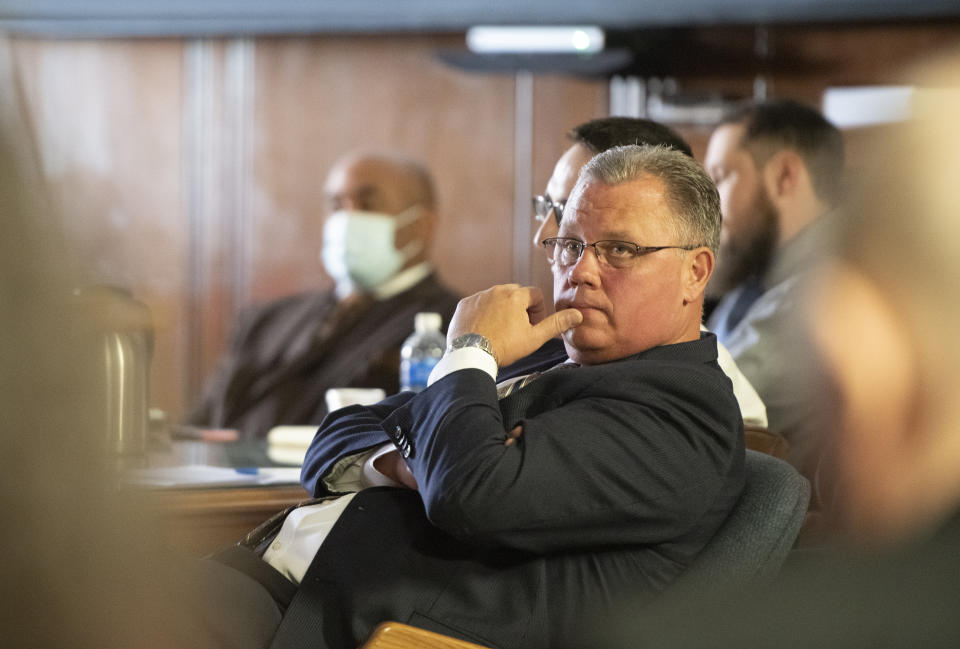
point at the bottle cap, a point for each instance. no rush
(427, 322)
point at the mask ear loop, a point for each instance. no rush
(402, 220)
(408, 216)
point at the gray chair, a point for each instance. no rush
(754, 541)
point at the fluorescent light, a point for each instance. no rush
(854, 106)
(492, 40)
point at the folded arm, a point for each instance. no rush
(605, 465)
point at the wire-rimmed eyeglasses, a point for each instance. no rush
(543, 205)
(566, 251)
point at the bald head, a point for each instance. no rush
(377, 182)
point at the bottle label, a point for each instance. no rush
(416, 373)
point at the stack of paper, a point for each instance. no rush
(288, 444)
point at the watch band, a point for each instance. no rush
(475, 340)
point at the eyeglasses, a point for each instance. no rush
(542, 206)
(617, 254)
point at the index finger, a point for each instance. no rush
(537, 308)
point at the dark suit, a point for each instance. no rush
(623, 473)
(549, 354)
(284, 355)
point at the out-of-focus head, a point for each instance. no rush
(778, 165)
(633, 298)
(589, 139)
(378, 182)
(381, 218)
(885, 318)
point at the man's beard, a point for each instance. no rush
(750, 253)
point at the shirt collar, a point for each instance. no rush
(402, 281)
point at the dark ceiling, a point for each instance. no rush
(235, 17)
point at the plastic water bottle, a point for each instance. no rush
(421, 351)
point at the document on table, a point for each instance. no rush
(201, 475)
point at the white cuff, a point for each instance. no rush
(463, 359)
(372, 477)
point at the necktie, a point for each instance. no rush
(506, 389)
(342, 316)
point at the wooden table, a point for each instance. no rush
(200, 520)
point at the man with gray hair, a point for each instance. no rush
(502, 513)
(589, 139)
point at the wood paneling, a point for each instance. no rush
(106, 117)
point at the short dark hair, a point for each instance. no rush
(772, 126)
(604, 133)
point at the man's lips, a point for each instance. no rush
(579, 306)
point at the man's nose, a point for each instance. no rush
(586, 270)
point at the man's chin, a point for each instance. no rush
(583, 341)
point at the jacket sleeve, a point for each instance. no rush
(622, 463)
(343, 434)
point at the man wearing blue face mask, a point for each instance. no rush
(284, 355)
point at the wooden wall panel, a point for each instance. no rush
(106, 117)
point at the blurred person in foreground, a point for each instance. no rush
(883, 311)
(778, 166)
(499, 513)
(82, 565)
(284, 355)
(589, 139)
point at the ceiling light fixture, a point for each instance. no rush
(530, 40)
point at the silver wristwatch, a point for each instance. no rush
(474, 340)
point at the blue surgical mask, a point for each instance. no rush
(358, 247)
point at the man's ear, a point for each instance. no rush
(697, 269)
(427, 223)
(782, 174)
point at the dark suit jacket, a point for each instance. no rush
(284, 355)
(623, 473)
(549, 354)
